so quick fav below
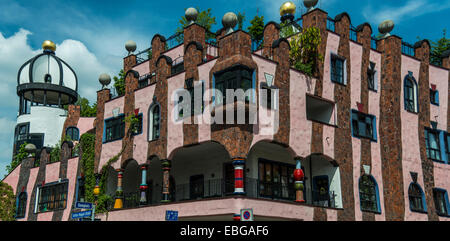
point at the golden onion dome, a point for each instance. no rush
(287, 8)
(49, 45)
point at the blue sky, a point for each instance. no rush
(90, 35)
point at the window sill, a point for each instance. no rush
(324, 123)
(371, 211)
(419, 211)
(412, 112)
(105, 142)
(435, 104)
(335, 82)
(363, 137)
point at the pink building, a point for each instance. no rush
(368, 130)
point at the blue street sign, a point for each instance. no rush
(84, 205)
(83, 214)
(171, 215)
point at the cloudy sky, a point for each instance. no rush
(90, 35)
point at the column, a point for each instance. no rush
(143, 187)
(166, 181)
(239, 164)
(119, 192)
(299, 177)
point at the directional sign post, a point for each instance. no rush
(171, 215)
(84, 205)
(82, 214)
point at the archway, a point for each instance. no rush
(130, 183)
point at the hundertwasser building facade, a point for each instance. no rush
(366, 138)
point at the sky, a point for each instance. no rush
(90, 34)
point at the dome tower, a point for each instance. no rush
(45, 84)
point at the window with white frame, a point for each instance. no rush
(154, 122)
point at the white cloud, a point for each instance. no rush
(413, 8)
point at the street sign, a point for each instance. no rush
(171, 215)
(82, 214)
(84, 205)
(247, 214)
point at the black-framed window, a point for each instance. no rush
(371, 77)
(447, 145)
(191, 87)
(434, 97)
(368, 194)
(337, 69)
(276, 180)
(22, 131)
(138, 129)
(143, 81)
(154, 122)
(363, 125)
(234, 78)
(80, 190)
(441, 201)
(73, 133)
(53, 197)
(21, 205)
(416, 201)
(433, 145)
(115, 128)
(410, 95)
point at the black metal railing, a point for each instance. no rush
(373, 43)
(353, 34)
(291, 28)
(407, 49)
(177, 65)
(174, 40)
(144, 55)
(331, 24)
(202, 189)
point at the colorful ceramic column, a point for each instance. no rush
(238, 164)
(298, 177)
(119, 192)
(166, 180)
(237, 217)
(143, 187)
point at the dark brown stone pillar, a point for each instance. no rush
(390, 127)
(271, 33)
(102, 97)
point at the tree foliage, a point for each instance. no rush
(304, 54)
(204, 19)
(119, 83)
(438, 48)
(7, 202)
(17, 159)
(87, 110)
(256, 29)
(240, 20)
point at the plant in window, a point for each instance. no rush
(304, 54)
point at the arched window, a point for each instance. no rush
(368, 194)
(154, 122)
(410, 93)
(73, 133)
(417, 201)
(21, 205)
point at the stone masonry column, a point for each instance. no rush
(239, 164)
(166, 165)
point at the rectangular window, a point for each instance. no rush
(53, 197)
(432, 145)
(234, 78)
(363, 125)
(371, 77)
(434, 97)
(80, 190)
(320, 110)
(276, 180)
(440, 202)
(138, 129)
(115, 128)
(337, 69)
(143, 80)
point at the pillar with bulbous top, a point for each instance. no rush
(143, 187)
(118, 203)
(299, 177)
(166, 181)
(239, 164)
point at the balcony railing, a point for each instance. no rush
(353, 34)
(144, 55)
(216, 188)
(174, 40)
(331, 25)
(407, 49)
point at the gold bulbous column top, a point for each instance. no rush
(287, 8)
(49, 45)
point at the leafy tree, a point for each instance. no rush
(256, 29)
(7, 202)
(304, 54)
(438, 48)
(204, 19)
(86, 109)
(241, 20)
(119, 83)
(287, 29)
(17, 159)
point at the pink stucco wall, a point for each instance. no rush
(13, 178)
(85, 124)
(204, 128)
(52, 172)
(439, 77)
(411, 159)
(174, 126)
(143, 68)
(441, 180)
(110, 149)
(374, 109)
(175, 53)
